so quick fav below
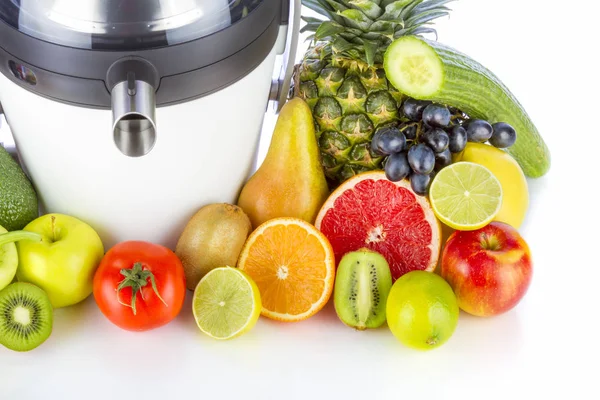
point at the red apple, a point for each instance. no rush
(489, 269)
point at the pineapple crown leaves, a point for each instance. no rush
(363, 29)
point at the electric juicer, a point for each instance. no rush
(132, 114)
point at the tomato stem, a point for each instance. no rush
(136, 278)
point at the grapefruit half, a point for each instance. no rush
(368, 210)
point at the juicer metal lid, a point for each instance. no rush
(122, 24)
(77, 51)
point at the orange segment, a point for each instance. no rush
(293, 266)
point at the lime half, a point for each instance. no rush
(226, 303)
(465, 196)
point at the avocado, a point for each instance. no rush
(18, 199)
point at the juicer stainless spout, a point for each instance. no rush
(133, 107)
(134, 126)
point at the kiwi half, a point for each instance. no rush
(362, 285)
(26, 316)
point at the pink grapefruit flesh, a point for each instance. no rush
(370, 211)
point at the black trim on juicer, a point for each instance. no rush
(203, 66)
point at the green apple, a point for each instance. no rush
(9, 258)
(64, 262)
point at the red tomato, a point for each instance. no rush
(140, 286)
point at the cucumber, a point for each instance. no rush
(427, 70)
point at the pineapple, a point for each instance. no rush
(342, 78)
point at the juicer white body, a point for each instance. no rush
(204, 152)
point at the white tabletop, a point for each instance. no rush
(546, 53)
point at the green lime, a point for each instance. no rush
(226, 303)
(422, 311)
(465, 196)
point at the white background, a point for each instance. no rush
(546, 52)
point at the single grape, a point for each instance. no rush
(479, 131)
(409, 131)
(375, 143)
(421, 159)
(435, 115)
(420, 183)
(504, 135)
(437, 139)
(397, 167)
(413, 109)
(458, 139)
(443, 159)
(390, 141)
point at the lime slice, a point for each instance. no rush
(226, 303)
(465, 196)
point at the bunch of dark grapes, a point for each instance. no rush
(423, 143)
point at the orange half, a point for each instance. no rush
(293, 265)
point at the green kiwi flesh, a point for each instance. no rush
(362, 285)
(26, 316)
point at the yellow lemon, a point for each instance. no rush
(515, 193)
